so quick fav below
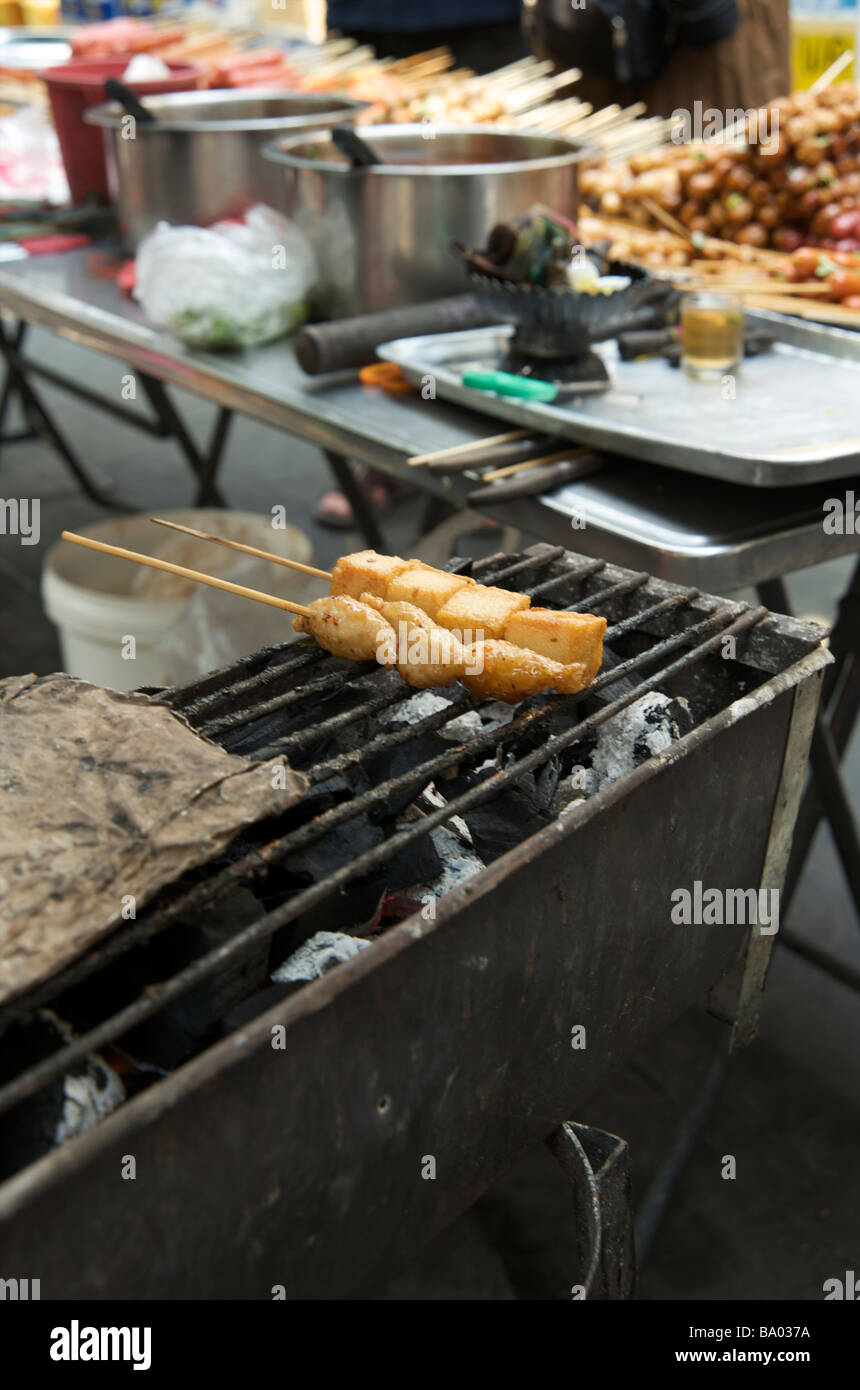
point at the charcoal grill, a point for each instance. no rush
(301, 1165)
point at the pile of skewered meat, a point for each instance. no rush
(437, 628)
(791, 177)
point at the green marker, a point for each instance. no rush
(509, 384)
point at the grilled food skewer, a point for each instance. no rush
(245, 549)
(457, 603)
(358, 629)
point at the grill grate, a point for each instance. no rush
(236, 705)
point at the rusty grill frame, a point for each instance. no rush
(223, 705)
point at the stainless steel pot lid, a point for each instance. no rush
(434, 149)
(231, 110)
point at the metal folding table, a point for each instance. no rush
(686, 529)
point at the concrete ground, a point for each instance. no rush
(789, 1110)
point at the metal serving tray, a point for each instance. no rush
(795, 417)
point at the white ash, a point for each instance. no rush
(316, 956)
(414, 708)
(578, 786)
(87, 1098)
(647, 727)
(459, 865)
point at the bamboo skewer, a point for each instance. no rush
(245, 549)
(183, 573)
(666, 218)
(830, 74)
(531, 463)
(455, 449)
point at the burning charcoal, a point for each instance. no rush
(340, 846)
(417, 862)
(317, 956)
(637, 733)
(69, 1106)
(459, 864)
(506, 821)
(176, 1033)
(434, 797)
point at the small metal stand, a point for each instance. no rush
(597, 1167)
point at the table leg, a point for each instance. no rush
(38, 415)
(16, 436)
(203, 467)
(361, 510)
(840, 704)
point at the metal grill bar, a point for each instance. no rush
(529, 563)
(240, 719)
(157, 996)
(301, 655)
(637, 619)
(572, 576)
(626, 586)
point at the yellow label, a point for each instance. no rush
(814, 46)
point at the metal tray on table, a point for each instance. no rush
(794, 417)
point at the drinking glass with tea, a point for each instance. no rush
(712, 333)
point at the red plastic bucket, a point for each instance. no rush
(73, 87)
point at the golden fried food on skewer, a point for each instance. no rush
(427, 655)
(345, 627)
(498, 670)
(481, 610)
(564, 637)
(366, 572)
(426, 587)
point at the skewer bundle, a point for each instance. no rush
(434, 627)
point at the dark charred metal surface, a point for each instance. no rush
(450, 1039)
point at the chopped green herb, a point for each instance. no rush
(698, 239)
(825, 267)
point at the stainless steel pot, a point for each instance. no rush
(382, 234)
(201, 160)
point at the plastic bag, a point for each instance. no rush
(230, 285)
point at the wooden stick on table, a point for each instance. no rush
(245, 549)
(531, 463)
(466, 448)
(184, 573)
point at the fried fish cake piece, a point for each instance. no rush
(347, 628)
(365, 572)
(497, 670)
(426, 587)
(427, 655)
(480, 610)
(564, 637)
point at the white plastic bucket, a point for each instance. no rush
(96, 603)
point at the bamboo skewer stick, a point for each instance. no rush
(760, 286)
(666, 218)
(239, 589)
(830, 74)
(245, 549)
(531, 463)
(455, 449)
